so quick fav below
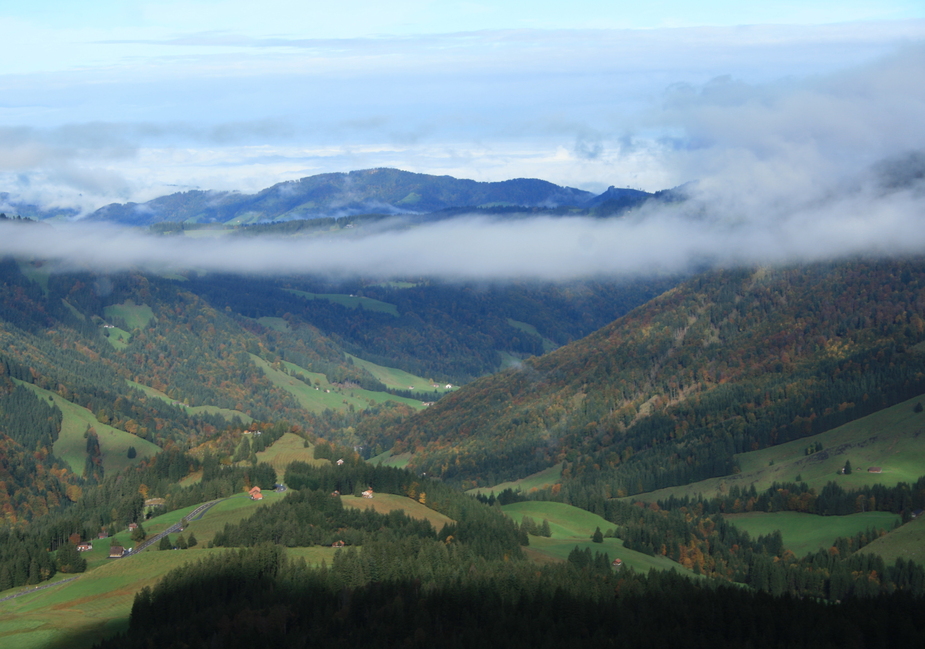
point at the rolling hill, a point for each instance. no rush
(728, 362)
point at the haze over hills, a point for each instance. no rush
(389, 191)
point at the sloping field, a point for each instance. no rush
(287, 449)
(565, 521)
(227, 413)
(398, 379)
(538, 480)
(548, 345)
(572, 527)
(385, 503)
(72, 446)
(907, 541)
(136, 316)
(387, 459)
(349, 301)
(805, 533)
(95, 605)
(316, 398)
(229, 510)
(892, 439)
(543, 550)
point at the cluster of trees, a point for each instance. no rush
(306, 518)
(832, 500)
(418, 591)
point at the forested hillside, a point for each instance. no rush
(729, 361)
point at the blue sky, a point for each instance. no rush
(114, 100)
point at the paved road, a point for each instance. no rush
(42, 587)
(194, 515)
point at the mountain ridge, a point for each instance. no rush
(381, 190)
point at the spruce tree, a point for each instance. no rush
(598, 536)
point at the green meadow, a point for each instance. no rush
(805, 533)
(573, 527)
(538, 480)
(136, 316)
(71, 445)
(97, 604)
(118, 338)
(276, 324)
(890, 439)
(398, 379)
(349, 301)
(907, 541)
(548, 345)
(399, 461)
(227, 413)
(35, 272)
(287, 449)
(386, 503)
(322, 394)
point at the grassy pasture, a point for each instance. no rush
(287, 449)
(893, 439)
(385, 503)
(94, 606)
(72, 447)
(544, 550)
(538, 480)
(907, 541)
(398, 379)
(317, 398)
(548, 345)
(35, 273)
(350, 301)
(387, 459)
(136, 316)
(805, 533)
(276, 324)
(227, 413)
(565, 521)
(118, 338)
(571, 526)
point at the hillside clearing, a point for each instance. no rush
(385, 503)
(349, 301)
(805, 533)
(71, 445)
(907, 541)
(539, 480)
(892, 439)
(287, 449)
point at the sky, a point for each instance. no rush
(773, 111)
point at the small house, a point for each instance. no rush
(132, 527)
(368, 494)
(617, 563)
(335, 493)
(84, 547)
(116, 551)
(103, 535)
(340, 462)
(255, 494)
(337, 544)
(875, 469)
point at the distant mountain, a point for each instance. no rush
(389, 191)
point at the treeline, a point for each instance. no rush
(832, 500)
(423, 593)
(485, 529)
(306, 518)
(709, 545)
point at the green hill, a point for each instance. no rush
(728, 362)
